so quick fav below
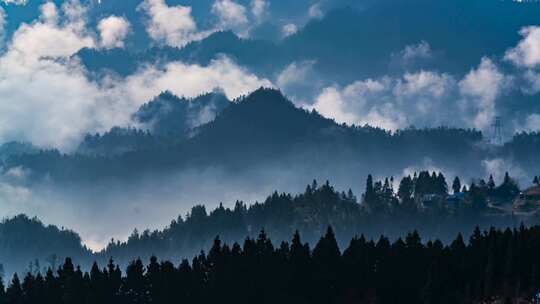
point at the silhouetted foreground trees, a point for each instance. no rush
(495, 264)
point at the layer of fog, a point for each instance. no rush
(428, 98)
(112, 208)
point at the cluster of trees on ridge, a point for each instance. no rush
(421, 202)
(496, 266)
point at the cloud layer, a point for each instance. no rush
(47, 98)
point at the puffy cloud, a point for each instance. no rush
(231, 14)
(45, 96)
(259, 9)
(422, 98)
(289, 29)
(315, 11)
(423, 83)
(113, 31)
(414, 98)
(527, 52)
(222, 73)
(421, 50)
(16, 2)
(354, 105)
(49, 13)
(331, 103)
(172, 25)
(47, 38)
(481, 87)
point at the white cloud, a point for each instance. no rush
(295, 73)
(527, 52)
(391, 103)
(289, 29)
(354, 105)
(421, 50)
(221, 73)
(113, 31)
(423, 83)
(332, 104)
(231, 15)
(480, 88)
(172, 25)
(16, 2)
(259, 9)
(49, 13)
(315, 11)
(47, 38)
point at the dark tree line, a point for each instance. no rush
(493, 265)
(421, 202)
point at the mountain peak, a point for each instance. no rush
(170, 115)
(264, 95)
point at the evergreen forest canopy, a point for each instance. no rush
(494, 266)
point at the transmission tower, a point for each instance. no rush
(497, 126)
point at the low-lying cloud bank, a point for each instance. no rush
(47, 98)
(423, 98)
(427, 98)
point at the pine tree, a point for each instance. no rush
(14, 293)
(326, 259)
(442, 186)
(3, 299)
(491, 183)
(456, 185)
(134, 287)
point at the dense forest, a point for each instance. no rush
(426, 202)
(495, 266)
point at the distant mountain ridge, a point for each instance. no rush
(164, 121)
(261, 129)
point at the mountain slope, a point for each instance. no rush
(24, 239)
(265, 129)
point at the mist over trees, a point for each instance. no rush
(421, 202)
